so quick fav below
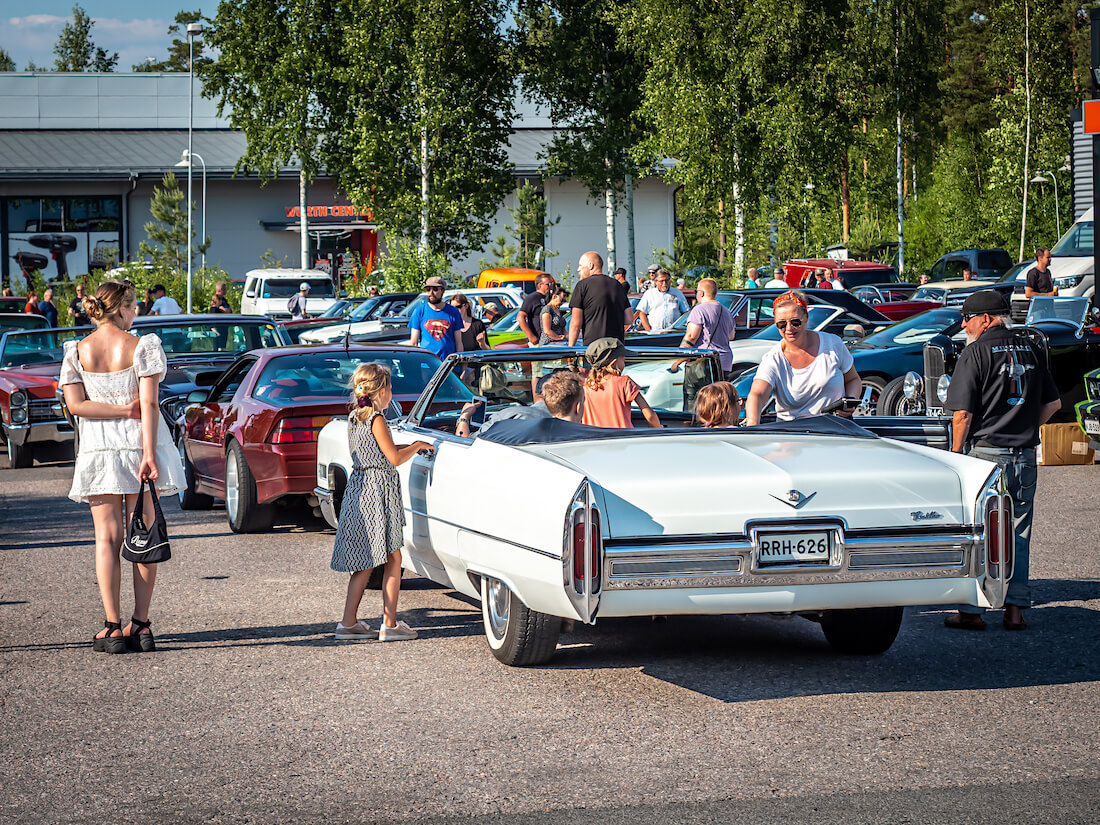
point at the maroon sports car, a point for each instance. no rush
(251, 439)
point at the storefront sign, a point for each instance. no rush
(346, 212)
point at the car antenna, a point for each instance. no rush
(347, 341)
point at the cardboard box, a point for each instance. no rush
(1061, 444)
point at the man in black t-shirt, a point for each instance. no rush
(530, 311)
(76, 308)
(620, 276)
(1000, 394)
(600, 307)
(1039, 280)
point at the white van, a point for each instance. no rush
(266, 291)
(1070, 266)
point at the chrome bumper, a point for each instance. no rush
(324, 500)
(863, 558)
(59, 431)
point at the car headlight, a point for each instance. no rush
(1093, 389)
(941, 388)
(19, 399)
(913, 385)
(1068, 281)
(18, 415)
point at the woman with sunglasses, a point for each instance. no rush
(807, 371)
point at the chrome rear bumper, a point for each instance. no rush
(865, 557)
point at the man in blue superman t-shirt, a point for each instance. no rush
(436, 326)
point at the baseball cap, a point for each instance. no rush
(435, 280)
(303, 287)
(492, 306)
(985, 301)
(602, 352)
(653, 268)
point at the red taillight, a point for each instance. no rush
(993, 530)
(1000, 538)
(578, 546)
(298, 429)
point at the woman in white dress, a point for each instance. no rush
(110, 381)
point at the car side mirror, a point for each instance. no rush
(393, 411)
(198, 396)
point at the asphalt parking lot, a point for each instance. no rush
(250, 712)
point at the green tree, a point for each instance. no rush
(422, 102)
(6, 63)
(166, 246)
(570, 59)
(275, 75)
(75, 51)
(179, 50)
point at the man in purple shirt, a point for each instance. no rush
(710, 321)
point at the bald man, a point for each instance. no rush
(600, 307)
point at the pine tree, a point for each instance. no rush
(6, 63)
(179, 50)
(167, 232)
(75, 51)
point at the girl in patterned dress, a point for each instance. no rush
(372, 516)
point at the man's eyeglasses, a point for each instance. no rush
(794, 322)
(434, 288)
(968, 318)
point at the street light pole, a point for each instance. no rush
(1048, 177)
(186, 161)
(193, 31)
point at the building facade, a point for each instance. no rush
(81, 155)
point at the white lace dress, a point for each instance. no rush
(110, 450)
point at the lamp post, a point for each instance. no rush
(186, 161)
(1043, 177)
(193, 30)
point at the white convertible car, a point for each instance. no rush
(549, 522)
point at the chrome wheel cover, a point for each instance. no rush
(497, 604)
(232, 484)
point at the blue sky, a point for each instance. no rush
(136, 29)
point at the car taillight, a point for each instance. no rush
(1000, 538)
(579, 526)
(299, 429)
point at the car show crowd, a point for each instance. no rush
(1001, 392)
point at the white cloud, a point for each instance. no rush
(32, 37)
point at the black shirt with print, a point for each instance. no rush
(1002, 379)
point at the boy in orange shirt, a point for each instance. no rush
(608, 394)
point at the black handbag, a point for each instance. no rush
(146, 544)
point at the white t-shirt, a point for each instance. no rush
(836, 284)
(805, 392)
(662, 308)
(165, 305)
(776, 283)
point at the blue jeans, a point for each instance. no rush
(1020, 474)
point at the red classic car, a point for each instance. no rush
(251, 439)
(895, 301)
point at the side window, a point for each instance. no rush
(937, 271)
(953, 269)
(250, 288)
(994, 259)
(226, 387)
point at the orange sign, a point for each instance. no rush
(332, 212)
(1091, 109)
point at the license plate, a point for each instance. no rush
(1092, 426)
(793, 548)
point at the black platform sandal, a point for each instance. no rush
(109, 643)
(140, 642)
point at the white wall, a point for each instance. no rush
(583, 225)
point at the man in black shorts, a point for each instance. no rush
(530, 311)
(1000, 394)
(600, 307)
(1039, 279)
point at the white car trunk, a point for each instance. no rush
(684, 485)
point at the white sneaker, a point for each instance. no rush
(359, 630)
(399, 633)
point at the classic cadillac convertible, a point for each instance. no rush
(552, 521)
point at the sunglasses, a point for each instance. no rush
(433, 288)
(968, 318)
(794, 322)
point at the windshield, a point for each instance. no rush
(511, 384)
(928, 293)
(1049, 308)
(285, 287)
(205, 338)
(726, 299)
(819, 316)
(1076, 243)
(914, 330)
(37, 347)
(13, 321)
(317, 377)
(1016, 273)
(338, 310)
